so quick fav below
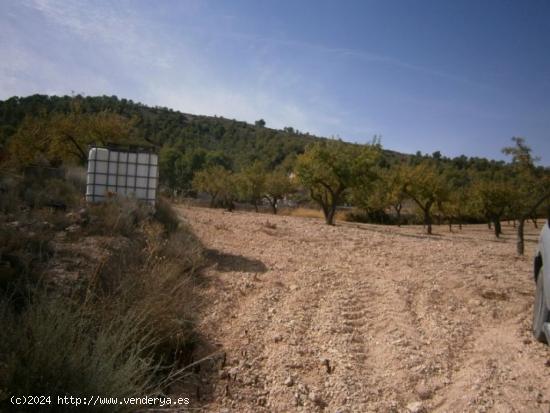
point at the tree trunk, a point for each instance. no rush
(520, 241)
(256, 206)
(212, 201)
(489, 225)
(460, 225)
(274, 207)
(329, 214)
(398, 212)
(514, 223)
(450, 225)
(428, 221)
(535, 223)
(498, 229)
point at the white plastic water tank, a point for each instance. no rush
(127, 173)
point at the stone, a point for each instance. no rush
(315, 398)
(289, 381)
(415, 407)
(423, 391)
(14, 224)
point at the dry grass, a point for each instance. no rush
(117, 216)
(270, 225)
(57, 346)
(166, 215)
(311, 213)
(127, 332)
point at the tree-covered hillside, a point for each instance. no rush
(241, 143)
(238, 143)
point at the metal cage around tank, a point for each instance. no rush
(122, 171)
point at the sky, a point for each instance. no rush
(457, 76)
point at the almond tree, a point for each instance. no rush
(426, 186)
(455, 206)
(277, 185)
(532, 185)
(251, 182)
(62, 137)
(217, 182)
(329, 168)
(493, 194)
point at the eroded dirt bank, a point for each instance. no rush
(358, 318)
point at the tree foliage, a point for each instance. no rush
(219, 183)
(251, 183)
(531, 186)
(426, 185)
(328, 169)
(278, 184)
(492, 195)
(57, 138)
(380, 189)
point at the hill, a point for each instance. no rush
(188, 143)
(240, 142)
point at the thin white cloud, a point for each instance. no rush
(112, 25)
(362, 55)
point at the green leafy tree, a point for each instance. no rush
(219, 183)
(457, 204)
(493, 193)
(170, 171)
(329, 168)
(178, 167)
(278, 184)
(531, 186)
(62, 137)
(426, 185)
(386, 190)
(455, 207)
(251, 183)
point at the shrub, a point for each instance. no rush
(60, 347)
(117, 216)
(54, 192)
(10, 201)
(166, 215)
(128, 332)
(162, 292)
(77, 177)
(21, 255)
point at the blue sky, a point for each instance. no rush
(455, 76)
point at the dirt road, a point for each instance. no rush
(360, 318)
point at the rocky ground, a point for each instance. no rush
(359, 318)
